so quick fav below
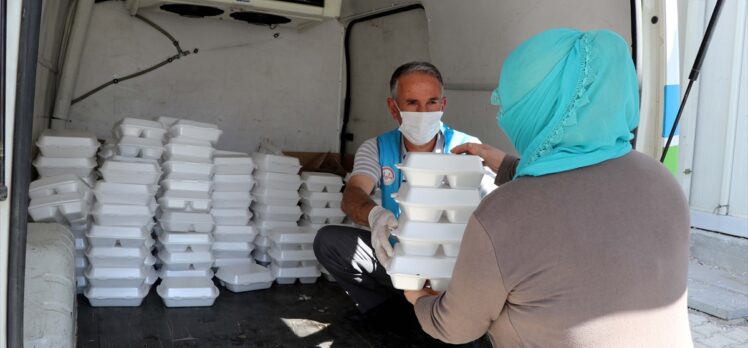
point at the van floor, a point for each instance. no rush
(283, 316)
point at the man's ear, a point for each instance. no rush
(392, 107)
(444, 103)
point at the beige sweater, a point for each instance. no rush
(594, 257)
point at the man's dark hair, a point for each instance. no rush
(414, 67)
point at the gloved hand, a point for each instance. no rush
(382, 221)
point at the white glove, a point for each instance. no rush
(382, 221)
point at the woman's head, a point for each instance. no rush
(568, 99)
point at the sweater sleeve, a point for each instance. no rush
(475, 296)
(506, 170)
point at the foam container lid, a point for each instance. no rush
(294, 272)
(231, 196)
(136, 127)
(131, 172)
(96, 292)
(268, 225)
(277, 213)
(301, 235)
(437, 197)
(53, 166)
(301, 254)
(68, 183)
(204, 273)
(187, 287)
(125, 236)
(320, 196)
(186, 257)
(176, 151)
(179, 221)
(67, 143)
(321, 178)
(430, 169)
(437, 267)
(188, 170)
(122, 210)
(244, 274)
(233, 246)
(185, 200)
(117, 256)
(233, 164)
(231, 216)
(166, 121)
(195, 130)
(276, 163)
(98, 272)
(440, 232)
(205, 186)
(118, 193)
(233, 178)
(185, 238)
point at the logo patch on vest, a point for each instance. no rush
(388, 176)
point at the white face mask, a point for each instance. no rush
(420, 127)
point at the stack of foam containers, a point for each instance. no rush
(234, 233)
(320, 202)
(63, 192)
(276, 201)
(292, 255)
(185, 240)
(121, 266)
(440, 194)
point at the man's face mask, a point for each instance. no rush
(420, 127)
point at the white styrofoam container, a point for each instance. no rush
(278, 181)
(411, 272)
(203, 273)
(233, 182)
(323, 215)
(232, 249)
(107, 277)
(185, 261)
(306, 274)
(81, 244)
(224, 233)
(429, 170)
(231, 217)
(178, 221)
(233, 261)
(187, 292)
(240, 199)
(276, 164)
(320, 199)
(187, 170)
(117, 256)
(136, 172)
(424, 238)
(293, 235)
(205, 186)
(188, 153)
(428, 204)
(122, 214)
(266, 226)
(66, 208)
(190, 201)
(301, 252)
(185, 241)
(56, 185)
(263, 243)
(140, 147)
(54, 166)
(195, 130)
(322, 182)
(66, 143)
(233, 164)
(240, 278)
(135, 127)
(116, 193)
(118, 236)
(270, 196)
(277, 213)
(116, 297)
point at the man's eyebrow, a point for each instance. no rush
(411, 100)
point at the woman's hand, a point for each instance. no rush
(413, 295)
(491, 156)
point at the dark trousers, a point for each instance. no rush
(346, 252)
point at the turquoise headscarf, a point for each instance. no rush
(568, 99)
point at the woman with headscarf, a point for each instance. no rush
(587, 246)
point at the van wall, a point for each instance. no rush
(54, 23)
(468, 41)
(244, 78)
